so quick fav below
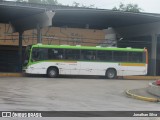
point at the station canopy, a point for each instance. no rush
(101, 19)
(24, 16)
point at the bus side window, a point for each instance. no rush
(88, 54)
(135, 57)
(104, 55)
(43, 54)
(39, 54)
(72, 54)
(60, 54)
(51, 54)
(55, 54)
(120, 56)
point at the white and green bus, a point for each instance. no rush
(111, 62)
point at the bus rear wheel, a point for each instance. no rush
(111, 73)
(52, 72)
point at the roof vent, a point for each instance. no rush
(39, 44)
(78, 45)
(64, 45)
(112, 47)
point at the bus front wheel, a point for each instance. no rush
(111, 73)
(52, 72)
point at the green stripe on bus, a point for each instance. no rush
(88, 48)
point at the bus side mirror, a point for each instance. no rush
(25, 62)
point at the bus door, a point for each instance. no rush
(121, 60)
(59, 60)
(88, 59)
(71, 61)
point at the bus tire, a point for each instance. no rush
(52, 72)
(111, 73)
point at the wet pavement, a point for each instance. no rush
(39, 93)
(71, 94)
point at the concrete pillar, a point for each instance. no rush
(153, 54)
(110, 38)
(39, 36)
(20, 50)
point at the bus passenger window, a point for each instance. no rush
(72, 54)
(119, 56)
(88, 54)
(104, 55)
(55, 54)
(39, 54)
(135, 57)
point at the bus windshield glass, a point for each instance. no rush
(27, 55)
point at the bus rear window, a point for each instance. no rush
(119, 56)
(138, 57)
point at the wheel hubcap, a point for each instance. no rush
(52, 72)
(111, 75)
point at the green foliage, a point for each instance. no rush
(52, 2)
(55, 2)
(76, 4)
(34, 1)
(20, 1)
(128, 8)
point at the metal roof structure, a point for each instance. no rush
(101, 19)
(12, 13)
(23, 18)
(66, 16)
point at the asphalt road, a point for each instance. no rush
(71, 94)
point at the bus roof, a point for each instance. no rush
(88, 47)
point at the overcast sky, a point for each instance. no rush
(152, 6)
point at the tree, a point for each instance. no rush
(34, 1)
(52, 2)
(128, 8)
(76, 4)
(21, 1)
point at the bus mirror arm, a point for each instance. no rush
(33, 60)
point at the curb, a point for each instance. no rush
(11, 75)
(153, 89)
(129, 94)
(141, 77)
(124, 77)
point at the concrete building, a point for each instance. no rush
(85, 26)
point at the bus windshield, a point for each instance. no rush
(27, 55)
